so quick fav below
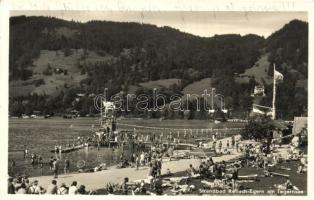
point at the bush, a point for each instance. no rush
(258, 129)
(39, 82)
(67, 52)
(48, 70)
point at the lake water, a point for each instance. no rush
(41, 135)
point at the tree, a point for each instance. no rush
(139, 52)
(16, 109)
(48, 70)
(258, 129)
(67, 52)
(187, 114)
(219, 115)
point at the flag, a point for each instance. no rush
(278, 75)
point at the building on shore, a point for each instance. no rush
(300, 129)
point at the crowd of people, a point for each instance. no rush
(225, 175)
(22, 185)
(260, 155)
(145, 156)
(219, 149)
(37, 161)
(107, 137)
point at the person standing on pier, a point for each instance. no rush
(214, 146)
(137, 161)
(215, 137)
(142, 159)
(220, 146)
(66, 166)
(237, 147)
(232, 141)
(25, 153)
(33, 156)
(41, 164)
(55, 168)
(121, 157)
(51, 163)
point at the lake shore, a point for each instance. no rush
(98, 180)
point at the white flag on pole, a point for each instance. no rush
(278, 75)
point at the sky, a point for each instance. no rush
(204, 24)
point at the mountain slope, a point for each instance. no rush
(57, 59)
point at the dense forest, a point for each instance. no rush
(144, 53)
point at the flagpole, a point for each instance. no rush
(101, 107)
(274, 96)
(102, 103)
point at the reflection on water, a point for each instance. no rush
(91, 157)
(40, 136)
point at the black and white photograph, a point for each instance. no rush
(158, 103)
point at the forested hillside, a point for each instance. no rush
(288, 49)
(53, 60)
